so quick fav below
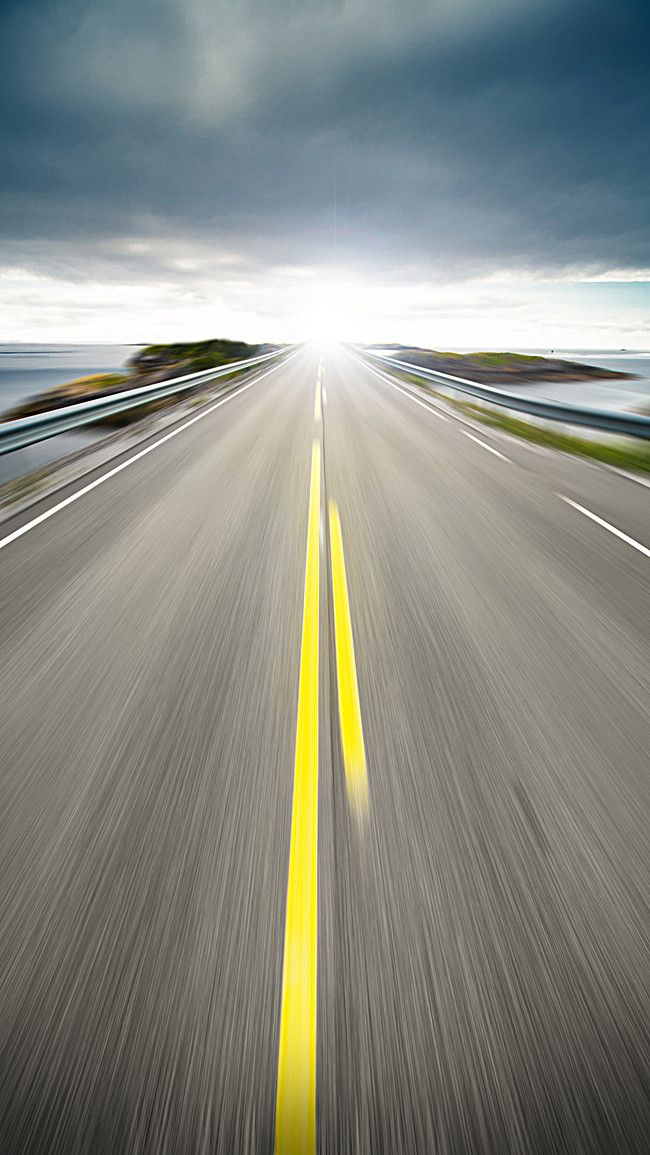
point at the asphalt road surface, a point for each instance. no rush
(324, 794)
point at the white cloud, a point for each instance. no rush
(174, 166)
(303, 303)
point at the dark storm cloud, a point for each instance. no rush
(452, 137)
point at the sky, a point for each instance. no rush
(451, 173)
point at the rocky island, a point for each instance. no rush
(150, 365)
(501, 369)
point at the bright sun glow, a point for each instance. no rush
(330, 314)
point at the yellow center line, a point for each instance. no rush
(295, 1121)
(317, 405)
(354, 752)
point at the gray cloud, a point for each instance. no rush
(453, 138)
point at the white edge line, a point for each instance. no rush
(136, 457)
(521, 443)
(605, 524)
(406, 393)
(490, 448)
(630, 476)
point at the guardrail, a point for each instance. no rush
(24, 431)
(607, 421)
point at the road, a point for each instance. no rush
(323, 801)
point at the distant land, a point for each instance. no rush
(502, 368)
(148, 366)
(156, 363)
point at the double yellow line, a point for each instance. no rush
(295, 1122)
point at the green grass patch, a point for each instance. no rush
(194, 356)
(502, 360)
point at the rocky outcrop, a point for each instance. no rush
(502, 369)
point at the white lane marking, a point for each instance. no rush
(490, 448)
(136, 457)
(629, 476)
(324, 395)
(605, 524)
(429, 408)
(455, 417)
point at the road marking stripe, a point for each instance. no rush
(354, 752)
(442, 416)
(605, 524)
(630, 476)
(136, 457)
(406, 392)
(295, 1120)
(490, 448)
(317, 405)
(324, 396)
(438, 414)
